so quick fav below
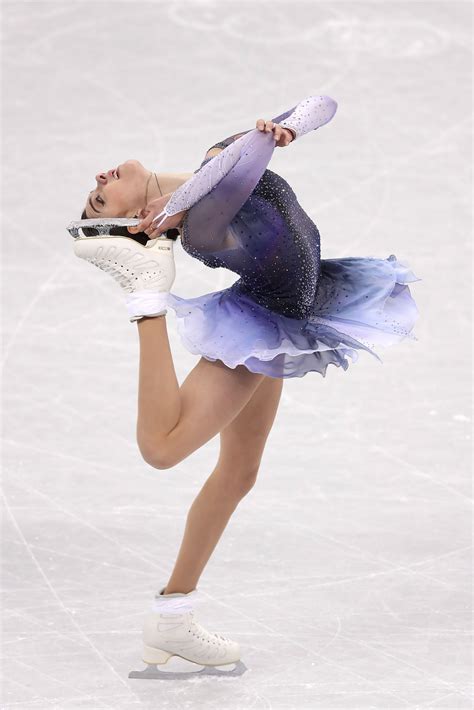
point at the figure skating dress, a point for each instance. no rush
(290, 312)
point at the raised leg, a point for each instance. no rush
(174, 421)
(242, 445)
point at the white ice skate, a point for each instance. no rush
(178, 642)
(145, 272)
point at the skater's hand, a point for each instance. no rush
(283, 136)
(152, 210)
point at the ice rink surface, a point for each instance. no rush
(345, 572)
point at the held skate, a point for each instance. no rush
(173, 644)
(145, 272)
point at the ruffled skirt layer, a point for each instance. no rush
(361, 303)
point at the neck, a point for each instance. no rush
(169, 182)
(153, 191)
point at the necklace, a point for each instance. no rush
(147, 184)
(159, 188)
(146, 191)
(158, 184)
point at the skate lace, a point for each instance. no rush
(121, 278)
(201, 633)
(124, 279)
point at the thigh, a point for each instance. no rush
(212, 395)
(243, 440)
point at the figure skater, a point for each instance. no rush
(289, 313)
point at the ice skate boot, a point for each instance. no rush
(176, 640)
(144, 272)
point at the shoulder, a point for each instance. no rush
(211, 153)
(215, 150)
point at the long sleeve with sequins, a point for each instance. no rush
(309, 114)
(247, 157)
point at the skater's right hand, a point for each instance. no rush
(282, 136)
(152, 210)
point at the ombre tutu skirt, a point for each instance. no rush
(361, 303)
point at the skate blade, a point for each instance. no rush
(176, 671)
(103, 225)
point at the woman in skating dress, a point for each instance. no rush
(288, 314)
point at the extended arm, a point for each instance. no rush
(307, 115)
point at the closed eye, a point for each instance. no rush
(98, 199)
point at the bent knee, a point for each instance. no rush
(239, 481)
(247, 482)
(157, 457)
(161, 463)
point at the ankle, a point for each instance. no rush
(143, 318)
(176, 590)
(146, 302)
(165, 603)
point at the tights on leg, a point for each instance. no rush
(242, 445)
(174, 421)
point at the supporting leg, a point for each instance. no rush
(242, 445)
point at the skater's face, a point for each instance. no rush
(119, 192)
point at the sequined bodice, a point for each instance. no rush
(246, 218)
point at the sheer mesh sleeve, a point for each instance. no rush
(251, 155)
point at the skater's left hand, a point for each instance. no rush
(283, 136)
(152, 210)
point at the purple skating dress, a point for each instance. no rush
(290, 312)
